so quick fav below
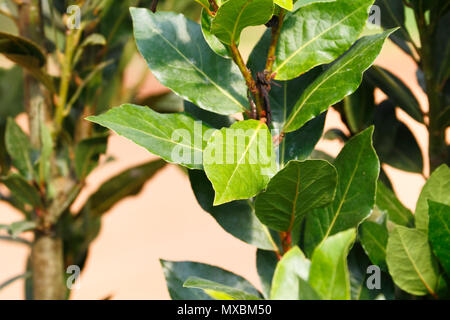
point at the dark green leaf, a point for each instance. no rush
(11, 93)
(127, 183)
(177, 273)
(218, 291)
(359, 107)
(214, 43)
(212, 119)
(396, 90)
(439, 232)
(374, 238)
(180, 58)
(236, 217)
(87, 153)
(22, 190)
(266, 262)
(358, 168)
(394, 142)
(19, 148)
(294, 191)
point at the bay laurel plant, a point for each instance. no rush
(67, 60)
(323, 229)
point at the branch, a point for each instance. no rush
(276, 31)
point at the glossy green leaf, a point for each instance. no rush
(329, 274)
(374, 238)
(22, 190)
(177, 273)
(194, 72)
(237, 217)
(410, 261)
(439, 232)
(214, 120)
(19, 148)
(235, 15)
(218, 291)
(358, 169)
(341, 79)
(176, 138)
(389, 203)
(392, 16)
(290, 280)
(266, 262)
(436, 189)
(305, 43)
(396, 90)
(238, 160)
(394, 142)
(127, 183)
(213, 42)
(294, 191)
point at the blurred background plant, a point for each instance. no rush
(57, 76)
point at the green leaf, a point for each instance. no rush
(218, 291)
(394, 142)
(19, 148)
(294, 191)
(290, 281)
(358, 264)
(374, 238)
(235, 15)
(286, 4)
(214, 43)
(436, 189)
(177, 273)
(11, 93)
(329, 274)
(26, 54)
(266, 262)
(358, 168)
(396, 90)
(410, 261)
(243, 150)
(22, 190)
(127, 183)
(180, 59)
(305, 43)
(396, 211)
(237, 217)
(19, 227)
(339, 80)
(359, 107)
(392, 16)
(303, 3)
(87, 153)
(439, 232)
(177, 138)
(214, 120)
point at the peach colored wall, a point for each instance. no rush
(165, 221)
